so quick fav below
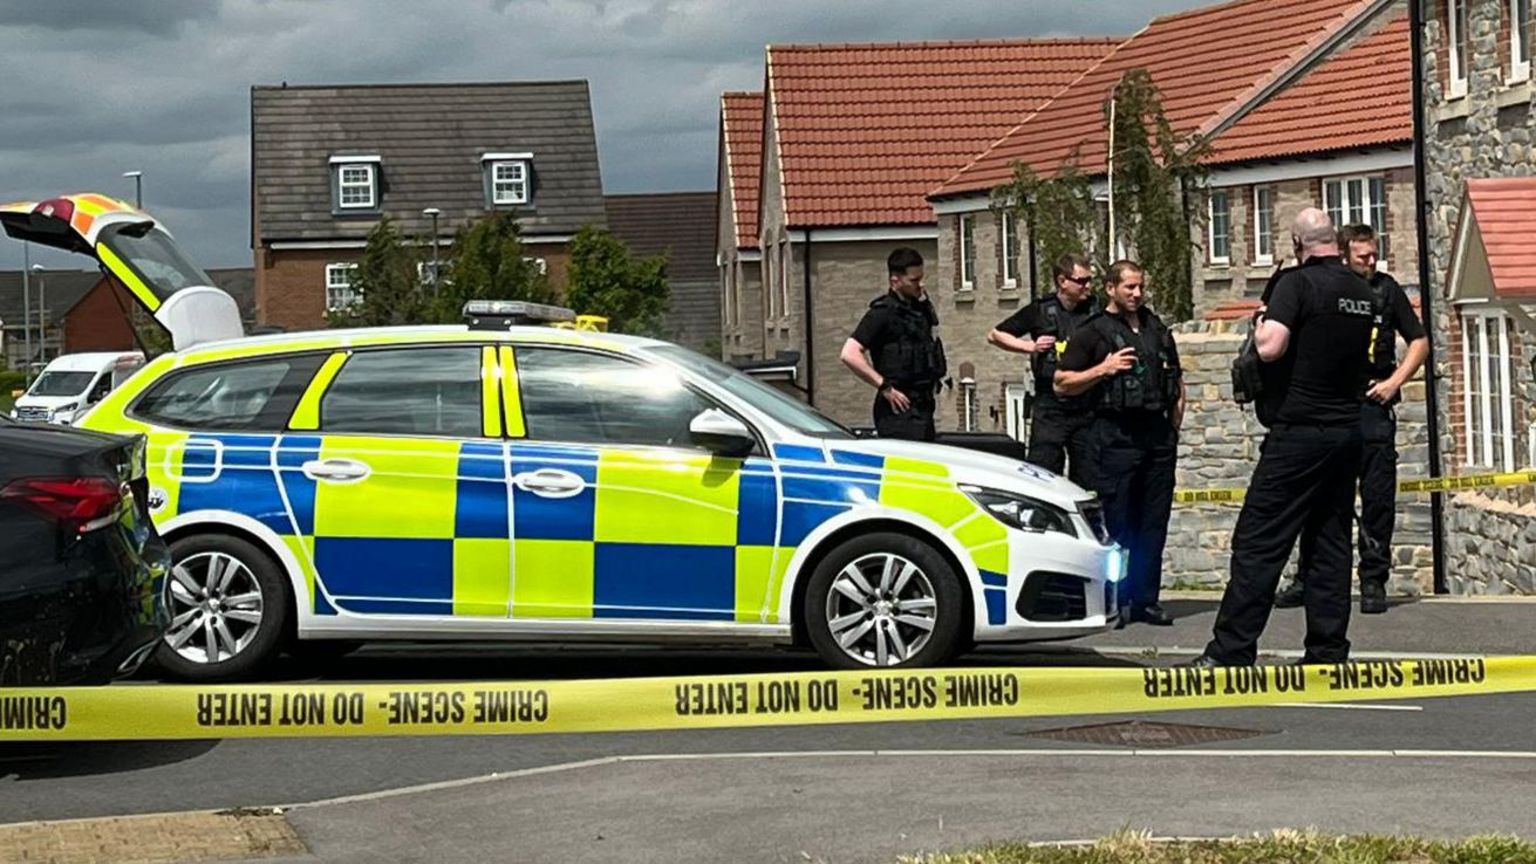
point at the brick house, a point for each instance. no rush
(327, 162)
(88, 311)
(737, 255)
(1274, 87)
(853, 138)
(682, 225)
(1480, 124)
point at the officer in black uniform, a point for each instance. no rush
(1393, 316)
(1317, 327)
(1059, 425)
(895, 351)
(1126, 361)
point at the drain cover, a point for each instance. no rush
(1136, 733)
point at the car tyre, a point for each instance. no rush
(912, 590)
(255, 587)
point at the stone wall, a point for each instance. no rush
(1489, 132)
(1219, 446)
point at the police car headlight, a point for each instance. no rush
(1021, 511)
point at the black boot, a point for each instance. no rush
(1290, 598)
(1373, 598)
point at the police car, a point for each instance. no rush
(530, 483)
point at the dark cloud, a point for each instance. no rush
(97, 88)
(153, 17)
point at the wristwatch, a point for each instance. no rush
(884, 386)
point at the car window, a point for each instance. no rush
(253, 395)
(592, 398)
(407, 391)
(58, 383)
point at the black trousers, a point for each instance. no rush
(1060, 438)
(1378, 497)
(1304, 485)
(1136, 454)
(913, 424)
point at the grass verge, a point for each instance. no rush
(1281, 847)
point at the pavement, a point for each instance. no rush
(853, 793)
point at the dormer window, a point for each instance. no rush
(355, 182)
(507, 179)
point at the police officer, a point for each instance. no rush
(1126, 361)
(895, 351)
(1059, 427)
(1317, 328)
(1393, 316)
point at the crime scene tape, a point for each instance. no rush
(142, 712)
(1404, 487)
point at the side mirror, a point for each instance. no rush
(721, 434)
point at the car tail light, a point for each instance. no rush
(58, 208)
(84, 503)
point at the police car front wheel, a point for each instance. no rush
(228, 609)
(884, 600)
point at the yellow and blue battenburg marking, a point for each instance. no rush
(442, 527)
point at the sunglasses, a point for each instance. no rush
(1083, 282)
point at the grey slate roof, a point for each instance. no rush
(431, 138)
(64, 288)
(683, 225)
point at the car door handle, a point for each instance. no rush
(336, 470)
(549, 483)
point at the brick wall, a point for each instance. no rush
(966, 317)
(98, 322)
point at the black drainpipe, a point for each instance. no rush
(1426, 294)
(810, 321)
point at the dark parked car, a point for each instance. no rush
(81, 567)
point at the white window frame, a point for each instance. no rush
(541, 264)
(517, 189)
(1494, 372)
(371, 185)
(1263, 234)
(332, 284)
(1457, 83)
(1519, 70)
(1343, 208)
(784, 259)
(1008, 235)
(967, 252)
(1210, 227)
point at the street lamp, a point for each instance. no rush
(434, 213)
(26, 311)
(42, 313)
(138, 187)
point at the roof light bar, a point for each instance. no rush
(497, 314)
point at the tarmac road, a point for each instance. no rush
(838, 793)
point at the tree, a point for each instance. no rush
(606, 280)
(1154, 171)
(1058, 211)
(488, 263)
(386, 282)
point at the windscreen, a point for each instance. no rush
(61, 383)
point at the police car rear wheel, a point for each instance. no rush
(228, 609)
(885, 600)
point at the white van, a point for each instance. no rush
(72, 383)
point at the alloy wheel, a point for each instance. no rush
(881, 609)
(216, 607)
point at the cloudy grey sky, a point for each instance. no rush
(93, 88)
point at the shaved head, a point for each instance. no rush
(1315, 234)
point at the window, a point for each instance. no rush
(725, 295)
(1010, 249)
(1460, 43)
(1359, 201)
(508, 178)
(252, 395)
(406, 391)
(355, 185)
(1487, 394)
(539, 264)
(427, 270)
(967, 252)
(735, 292)
(1263, 225)
(339, 293)
(588, 398)
(1219, 247)
(509, 182)
(784, 261)
(766, 399)
(1519, 40)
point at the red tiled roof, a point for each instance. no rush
(1206, 62)
(865, 131)
(741, 126)
(1506, 218)
(1370, 83)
